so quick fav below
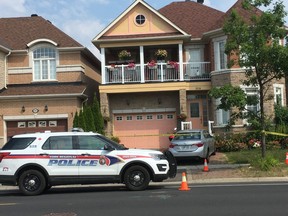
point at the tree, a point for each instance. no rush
(81, 120)
(76, 120)
(98, 118)
(90, 118)
(253, 44)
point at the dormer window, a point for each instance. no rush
(44, 63)
(140, 19)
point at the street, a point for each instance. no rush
(243, 199)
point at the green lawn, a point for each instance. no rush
(274, 163)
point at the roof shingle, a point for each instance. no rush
(16, 33)
(192, 17)
(43, 89)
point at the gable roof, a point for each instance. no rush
(245, 14)
(101, 35)
(16, 33)
(192, 17)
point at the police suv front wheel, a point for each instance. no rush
(32, 182)
(136, 178)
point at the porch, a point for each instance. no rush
(128, 72)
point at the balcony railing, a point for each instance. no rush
(162, 72)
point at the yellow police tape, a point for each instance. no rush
(227, 132)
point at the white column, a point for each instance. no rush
(142, 63)
(103, 68)
(180, 50)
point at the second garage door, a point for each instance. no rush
(144, 130)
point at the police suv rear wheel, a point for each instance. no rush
(136, 178)
(32, 182)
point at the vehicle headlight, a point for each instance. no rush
(158, 156)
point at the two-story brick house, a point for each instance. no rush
(144, 96)
(45, 77)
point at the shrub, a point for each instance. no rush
(115, 139)
(231, 142)
(265, 164)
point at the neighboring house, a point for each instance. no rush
(45, 77)
(142, 100)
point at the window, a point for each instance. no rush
(149, 117)
(278, 94)
(129, 118)
(18, 143)
(44, 63)
(91, 143)
(219, 53)
(140, 19)
(252, 94)
(159, 116)
(139, 117)
(222, 116)
(194, 110)
(59, 143)
(170, 116)
(119, 118)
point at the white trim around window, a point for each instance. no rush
(220, 58)
(278, 94)
(46, 64)
(222, 116)
(250, 91)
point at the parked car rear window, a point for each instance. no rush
(188, 136)
(18, 143)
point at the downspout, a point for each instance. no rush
(6, 70)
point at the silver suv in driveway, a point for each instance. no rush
(38, 161)
(192, 144)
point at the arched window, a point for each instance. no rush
(44, 62)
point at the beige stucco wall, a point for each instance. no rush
(127, 24)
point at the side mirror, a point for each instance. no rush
(108, 148)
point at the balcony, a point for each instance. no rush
(161, 72)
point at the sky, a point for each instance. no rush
(84, 19)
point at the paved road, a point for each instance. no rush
(263, 199)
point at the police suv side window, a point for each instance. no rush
(58, 143)
(91, 143)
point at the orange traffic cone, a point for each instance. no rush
(184, 185)
(287, 158)
(206, 169)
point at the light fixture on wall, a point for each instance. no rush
(23, 109)
(128, 102)
(159, 100)
(46, 108)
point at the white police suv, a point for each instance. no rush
(36, 162)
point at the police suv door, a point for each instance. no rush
(96, 162)
(59, 156)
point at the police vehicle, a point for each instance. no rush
(36, 162)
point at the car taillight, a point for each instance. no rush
(3, 154)
(172, 146)
(200, 144)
